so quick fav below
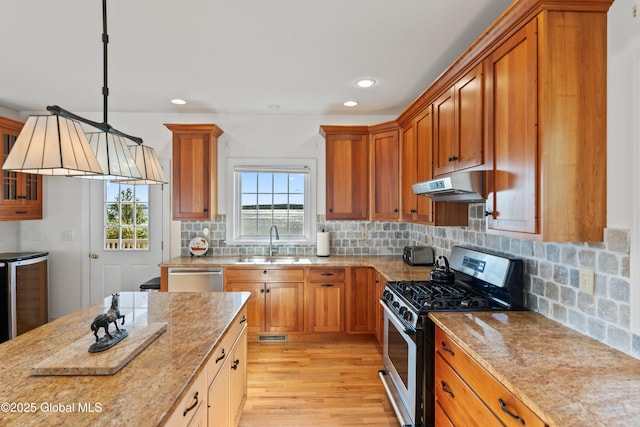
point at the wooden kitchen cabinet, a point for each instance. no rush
(227, 377)
(466, 394)
(325, 300)
(416, 152)
(347, 172)
(385, 172)
(458, 124)
(21, 197)
(195, 171)
(361, 301)
(277, 297)
(547, 127)
(380, 283)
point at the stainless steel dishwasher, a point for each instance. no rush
(196, 279)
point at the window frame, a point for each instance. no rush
(235, 166)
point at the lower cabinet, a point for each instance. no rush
(467, 395)
(361, 300)
(228, 390)
(277, 297)
(324, 300)
(380, 282)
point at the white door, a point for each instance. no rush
(114, 266)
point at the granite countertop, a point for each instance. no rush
(144, 391)
(567, 378)
(391, 267)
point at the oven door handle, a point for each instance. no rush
(408, 330)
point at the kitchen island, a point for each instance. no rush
(146, 391)
(563, 377)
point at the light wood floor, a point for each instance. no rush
(329, 383)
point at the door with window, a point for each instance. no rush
(126, 236)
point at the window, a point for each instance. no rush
(271, 194)
(126, 210)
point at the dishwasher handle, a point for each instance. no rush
(191, 272)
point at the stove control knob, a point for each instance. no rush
(396, 304)
(403, 310)
(407, 316)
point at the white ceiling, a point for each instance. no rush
(232, 56)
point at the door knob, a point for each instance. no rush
(94, 256)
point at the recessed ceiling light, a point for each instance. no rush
(350, 103)
(178, 101)
(365, 83)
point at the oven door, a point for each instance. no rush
(400, 360)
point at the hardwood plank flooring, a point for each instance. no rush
(328, 383)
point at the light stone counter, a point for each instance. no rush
(144, 392)
(567, 378)
(391, 267)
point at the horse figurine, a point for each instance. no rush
(111, 316)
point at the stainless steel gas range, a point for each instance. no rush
(469, 280)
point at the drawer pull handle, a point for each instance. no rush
(327, 285)
(446, 389)
(235, 364)
(222, 356)
(447, 349)
(244, 319)
(326, 274)
(193, 405)
(503, 406)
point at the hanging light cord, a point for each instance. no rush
(104, 126)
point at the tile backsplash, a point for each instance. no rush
(551, 269)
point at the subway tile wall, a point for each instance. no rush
(551, 269)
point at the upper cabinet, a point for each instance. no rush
(21, 192)
(195, 170)
(347, 157)
(416, 152)
(546, 93)
(384, 148)
(458, 130)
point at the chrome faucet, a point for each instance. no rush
(273, 227)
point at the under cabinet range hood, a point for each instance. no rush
(464, 187)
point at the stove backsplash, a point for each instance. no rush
(551, 269)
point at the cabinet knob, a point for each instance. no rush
(395, 211)
(414, 210)
(453, 158)
(330, 209)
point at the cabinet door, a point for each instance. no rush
(325, 307)
(444, 133)
(284, 307)
(512, 194)
(255, 304)
(385, 173)
(195, 168)
(218, 398)
(424, 157)
(21, 196)
(469, 92)
(361, 301)
(347, 177)
(238, 379)
(409, 172)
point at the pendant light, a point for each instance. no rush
(49, 149)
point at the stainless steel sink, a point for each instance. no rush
(272, 260)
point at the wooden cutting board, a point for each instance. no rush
(76, 359)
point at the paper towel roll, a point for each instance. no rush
(323, 244)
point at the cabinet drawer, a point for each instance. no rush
(327, 275)
(458, 401)
(16, 213)
(508, 408)
(222, 351)
(264, 274)
(191, 403)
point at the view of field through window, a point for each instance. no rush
(272, 198)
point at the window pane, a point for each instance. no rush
(249, 182)
(296, 183)
(280, 183)
(126, 216)
(265, 182)
(142, 213)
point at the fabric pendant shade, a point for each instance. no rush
(114, 157)
(148, 165)
(52, 145)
